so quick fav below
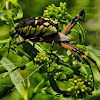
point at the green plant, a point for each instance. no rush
(63, 67)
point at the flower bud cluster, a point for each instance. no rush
(80, 87)
(42, 58)
(46, 62)
(58, 14)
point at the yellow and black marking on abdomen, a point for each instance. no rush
(37, 27)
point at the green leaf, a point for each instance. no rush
(25, 94)
(55, 86)
(38, 88)
(85, 69)
(94, 51)
(81, 33)
(15, 76)
(53, 83)
(19, 10)
(5, 41)
(82, 47)
(12, 12)
(67, 70)
(3, 3)
(38, 48)
(2, 14)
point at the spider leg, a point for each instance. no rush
(81, 53)
(12, 36)
(72, 42)
(78, 51)
(35, 39)
(74, 21)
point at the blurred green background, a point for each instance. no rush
(91, 23)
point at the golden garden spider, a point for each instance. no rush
(40, 29)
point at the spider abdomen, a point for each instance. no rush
(37, 27)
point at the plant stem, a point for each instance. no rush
(9, 15)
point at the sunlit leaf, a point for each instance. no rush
(5, 41)
(82, 47)
(85, 68)
(15, 76)
(25, 94)
(38, 48)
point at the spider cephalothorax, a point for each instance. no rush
(40, 29)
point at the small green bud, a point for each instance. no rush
(75, 77)
(71, 80)
(69, 89)
(82, 83)
(79, 80)
(86, 77)
(85, 80)
(78, 92)
(91, 80)
(89, 89)
(75, 81)
(90, 77)
(79, 84)
(59, 66)
(76, 87)
(89, 83)
(71, 83)
(72, 87)
(84, 86)
(82, 90)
